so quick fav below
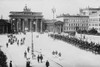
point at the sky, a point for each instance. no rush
(45, 6)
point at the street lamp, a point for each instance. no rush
(53, 11)
(33, 55)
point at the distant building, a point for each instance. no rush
(50, 25)
(89, 11)
(58, 26)
(5, 27)
(54, 26)
(26, 20)
(73, 23)
(94, 17)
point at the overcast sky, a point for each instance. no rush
(45, 6)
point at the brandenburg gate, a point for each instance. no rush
(26, 20)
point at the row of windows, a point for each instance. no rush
(83, 24)
(77, 24)
(80, 20)
(96, 19)
(94, 24)
(75, 20)
(72, 28)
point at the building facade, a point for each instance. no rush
(26, 20)
(73, 23)
(58, 26)
(94, 17)
(50, 25)
(5, 27)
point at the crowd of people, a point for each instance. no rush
(56, 53)
(40, 58)
(12, 39)
(85, 45)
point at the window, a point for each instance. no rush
(66, 28)
(96, 28)
(96, 24)
(92, 24)
(78, 24)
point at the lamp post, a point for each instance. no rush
(33, 55)
(53, 11)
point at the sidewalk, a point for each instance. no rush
(34, 62)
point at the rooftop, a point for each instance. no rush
(26, 11)
(91, 8)
(72, 16)
(3, 22)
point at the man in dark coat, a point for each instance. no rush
(25, 54)
(47, 64)
(28, 49)
(7, 45)
(41, 57)
(10, 63)
(18, 42)
(38, 58)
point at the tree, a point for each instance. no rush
(93, 31)
(84, 31)
(3, 59)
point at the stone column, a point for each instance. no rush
(11, 24)
(28, 24)
(63, 28)
(60, 28)
(41, 25)
(23, 25)
(6, 29)
(31, 25)
(36, 29)
(3, 29)
(19, 24)
(15, 25)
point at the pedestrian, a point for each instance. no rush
(25, 54)
(47, 63)
(10, 64)
(7, 45)
(17, 41)
(24, 38)
(28, 49)
(56, 52)
(53, 53)
(59, 54)
(21, 41)
(9, 40)
(41, 57)
(38, 58)
(28, 64)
